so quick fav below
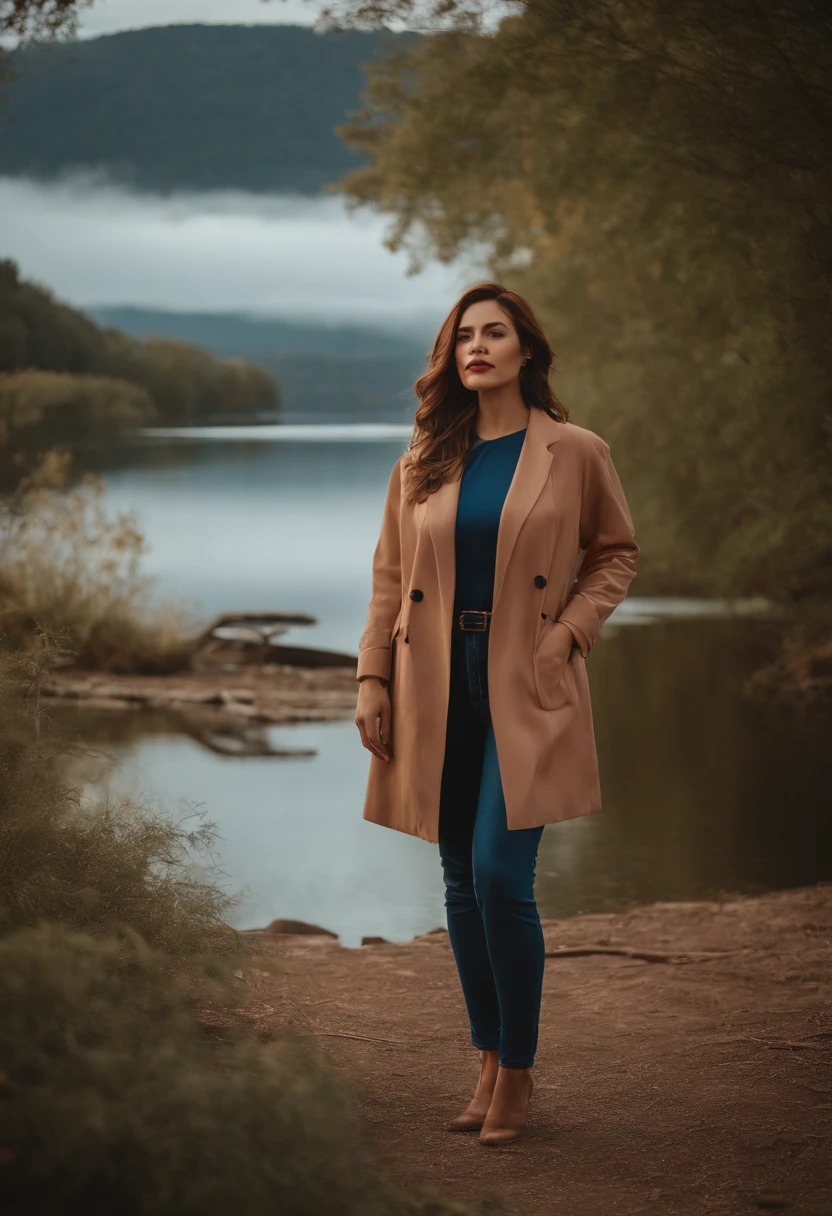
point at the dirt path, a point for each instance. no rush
(661, 1087)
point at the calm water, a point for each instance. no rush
(703, 791)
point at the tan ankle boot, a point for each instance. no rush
(506, 1118)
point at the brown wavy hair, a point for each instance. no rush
(445, 419)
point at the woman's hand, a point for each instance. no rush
(562, 640)
(558, 648)
(551, 660)
(373, 716)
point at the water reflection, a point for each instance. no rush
(704, 792)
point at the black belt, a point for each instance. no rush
(474, 619)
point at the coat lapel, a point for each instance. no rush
(530, 475)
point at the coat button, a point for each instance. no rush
(539, 580)
(416, 594)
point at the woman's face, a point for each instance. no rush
(488, 351)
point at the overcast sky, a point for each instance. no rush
(108, 16)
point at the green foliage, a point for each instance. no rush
(201, 106)
(112, 1101)
(322, 369)
(182, 382)
(69, 405)
(186, 382)
(656, 178)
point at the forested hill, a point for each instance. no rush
(196, 106)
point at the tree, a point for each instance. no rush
(27, 21)
(30, 20)
(656, 177)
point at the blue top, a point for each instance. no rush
(489, 468)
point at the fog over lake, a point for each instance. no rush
(93, 243)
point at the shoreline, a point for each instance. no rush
(272, 694)
(697, 1079)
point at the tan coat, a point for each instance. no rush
(566, 519)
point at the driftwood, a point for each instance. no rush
(250, 637)
(241, 744)
(309, 656)
(267, 623)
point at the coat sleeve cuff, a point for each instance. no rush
(580, 638)
(582, 619)
(374, 661)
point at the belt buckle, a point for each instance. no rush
(474, 612)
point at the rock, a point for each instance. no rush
(374, 941)
(288, 928)
(432, 936)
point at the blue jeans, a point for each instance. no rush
(493, 922)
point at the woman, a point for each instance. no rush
(506, 542)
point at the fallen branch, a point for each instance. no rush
(649, 956)
(367, 1038)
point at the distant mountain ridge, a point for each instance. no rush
(190, 107)
(246, 335)
(340, 371)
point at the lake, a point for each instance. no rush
(704, 792)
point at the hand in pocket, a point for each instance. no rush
(550, 663)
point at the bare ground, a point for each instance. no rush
(698, 1086)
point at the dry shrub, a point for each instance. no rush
(71, 569)
(95, 867)
(112, 1101)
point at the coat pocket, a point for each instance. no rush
(552, 671)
